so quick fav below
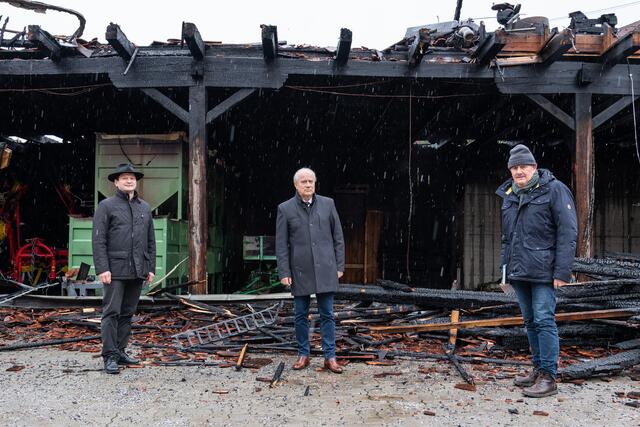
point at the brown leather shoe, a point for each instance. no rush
(301, 363)
(544, 386)
(528, 379)
(333, 366)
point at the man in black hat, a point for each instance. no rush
(539, 231)
(124, 253)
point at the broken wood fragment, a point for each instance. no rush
(241, 357)
(276, 375)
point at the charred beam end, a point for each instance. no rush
(191, 35)
(119, 41)
(419, 47)
(617, 53)
(554, 110)
(490, 47)
(269, 42)
(556, 47)
(344, 46)
(44, 39)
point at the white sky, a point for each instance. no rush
(375, 23)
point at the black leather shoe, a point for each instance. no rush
(111, 365)
(125, 359)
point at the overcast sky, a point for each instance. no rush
(375, 23)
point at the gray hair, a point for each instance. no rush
(296, 176)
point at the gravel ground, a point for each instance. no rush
(62, 388)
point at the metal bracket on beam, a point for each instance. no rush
(119, 41)
(227, 104)
(490, 47)
(554, 110)
(191, 35)
(167, 103)
(344, 46)
(419, 47)
(44, 39)
(612, 110)
(269, 42)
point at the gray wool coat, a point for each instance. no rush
(309, 245)
(123, 238)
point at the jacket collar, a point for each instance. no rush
(507, 193)
(124, 196)
(302, 202)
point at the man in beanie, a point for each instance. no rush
(124, 253)
(539, 231)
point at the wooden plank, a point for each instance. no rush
(197, 212)
(167, 103)
(227, 104)
(44, 39)
(191, 36)
(554, 110)
(504, 321)
(453, 332)
(344, 46)
(373, 230)
(269, 42)
(119, 41)
(612, 110)
(530, 43)
(583, 175)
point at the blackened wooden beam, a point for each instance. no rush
(44, 39)
(227, 104)
(167, 103)
(618, 52)
(344, 46)
(269, 42)
(612, 110)
(554, 110)
(556, 47)
(197, 212)
(419, 47)
(583, 175)
(119, 41)
(489, 47)
(191, 35)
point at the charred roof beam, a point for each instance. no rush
(344, 46)
(44, 39)
(613, 109)
(191, 36)
(419, 47)
(554, 110)
(167, 103)
(557, 46)
(119, 41)
(269, 42)
(489, 47)
(618, 52)
(227, 104)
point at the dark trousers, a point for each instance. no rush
(327, 324)
(119, 304)
(538, 306)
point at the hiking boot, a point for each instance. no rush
(528, 379)
(125, 359)
(301, 363)
(111, 364)
(544, 386)
(333, 366)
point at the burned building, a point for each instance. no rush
(410, 141)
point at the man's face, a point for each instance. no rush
(522, 174)
(306, 185)
(126, 182)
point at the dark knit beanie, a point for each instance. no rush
(520, 155)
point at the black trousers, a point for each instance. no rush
(119, 304)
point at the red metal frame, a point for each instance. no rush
(34, 249)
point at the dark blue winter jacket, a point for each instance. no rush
(539, 234)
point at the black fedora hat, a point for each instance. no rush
(124, 168)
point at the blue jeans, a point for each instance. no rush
(538, 306)
(327, 324)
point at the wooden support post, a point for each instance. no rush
(583, 174)
(44, 39)
(191, 35)
(198, 186)
(269, 42)
(119, 41)
(344, 46)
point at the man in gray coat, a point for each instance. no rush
(310, 253)
(124, 253)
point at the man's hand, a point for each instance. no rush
(557, 283)
(150, 277)
(340, 274)
(105, 277)
(286, 281)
